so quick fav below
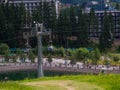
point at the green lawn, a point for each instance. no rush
(79, 82)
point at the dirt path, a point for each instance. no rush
(65, 84)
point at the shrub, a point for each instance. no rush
(45, 51)
(95, 56)
(116, 58)
(118, 49)
(49, 58)
(59, 52)
(31, 56)
(4, 48)
(82, 54)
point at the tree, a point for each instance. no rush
(37, 14)
(82, 29)
(28, 19)
(6, 56)
(22, 14)
(60, 52)
(73, 58)
(2, 23)
(52, 16)
(93, 22)
(51, 19)
(72, 16)
(95, 56)
(72, 62)
(31, 56)
(63, 27)
(22, 56)
(81, 54)
(46, 14)
(4, 48)
(11, 20)
(22, 23)
(18, 52)
(107, 33)
(73, 24)
(49, 58)
(111, 30)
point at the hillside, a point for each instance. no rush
(80, 82)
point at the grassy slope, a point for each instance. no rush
(82, 82)
(114, 3)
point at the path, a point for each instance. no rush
(65, 84)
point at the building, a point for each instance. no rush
(116, 18)
(94, 34)
(99, 5)
(115, 0)
(30, 5)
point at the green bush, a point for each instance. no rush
(49, 58)
(34, 50)
(118, 49)
(4, 48)
(59, 52)
(95, 56)
(81, 54)
(45, 51)
(31, 56)
(116, 58)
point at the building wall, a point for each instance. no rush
(96, 32)
(115, 0)
(30, 5)
(100, 15)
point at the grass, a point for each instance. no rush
(78, 82)
(64, 85)
(114, 4)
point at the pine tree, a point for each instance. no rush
(46, 14)
(63, 27)
(22, 14)
(2, 23)
(53, 17)
(112, 29)
(73, 24)
(95, 56)
(37, 14)
(83, 29)
(28, 19)
(72, 16)
(106, 37)
(93, 22)
(8, 24)
(11, 26)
